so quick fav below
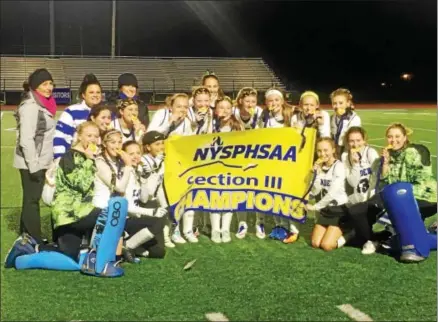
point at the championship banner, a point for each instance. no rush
(62, 95)
(262, 170)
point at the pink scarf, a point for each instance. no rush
(48, 103)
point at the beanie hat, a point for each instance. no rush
(152, 137)
(127, 79)
(38, 77)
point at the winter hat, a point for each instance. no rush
(38, 77)
(127, 79)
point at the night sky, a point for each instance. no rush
(318, 45)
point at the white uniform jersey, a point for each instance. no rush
(136, 191)
(271, 121)
(340, 125)
(329, 186)
(103, 181)
(203, 127)
(161, 123)
(253, 122)
(155, 168)
(359, 174)
(324, 128)
(127, 135)
(299, 122)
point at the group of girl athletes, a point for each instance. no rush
(127, 159)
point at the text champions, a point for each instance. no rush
(220, 200)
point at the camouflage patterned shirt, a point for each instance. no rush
(74, 188)
(413, 165)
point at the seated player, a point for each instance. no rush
(401, 161)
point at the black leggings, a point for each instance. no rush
(364, 215)
(155, 246)
(69, 237)
(32, 185)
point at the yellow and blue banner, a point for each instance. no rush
(263, 170)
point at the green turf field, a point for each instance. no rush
(244, 280)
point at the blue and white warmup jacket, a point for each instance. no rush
(66, 126)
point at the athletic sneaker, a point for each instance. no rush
(191, 238)
(341, 241)
(216, 237)
(226, 238)
(369, 248)
(290, 238)
(22, 246)
(177, 238)
(168, 243)
(260, 231)
(409, 257)
(243, 229)
(129, 256)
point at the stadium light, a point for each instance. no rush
(383, 84)
(406, 76)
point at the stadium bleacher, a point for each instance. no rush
(155, 74)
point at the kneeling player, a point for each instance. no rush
(329, 190)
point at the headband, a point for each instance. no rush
(310, 93)
(275, 92)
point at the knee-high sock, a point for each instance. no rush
(215, 219)
(402, 209)
(166, 233)
(278, 220)
(293, 228)
(260, 218)
(142, 236)
(51, 260)
(188, 218)
(107, 239)
(241, 217)
(205, 219)
(226, 221)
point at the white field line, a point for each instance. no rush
(427, 142)
(381, 146)
(419, 113)
(354, 313)
(7, 146)
(10, 129)
(386, 125)
(376, 139)
(1, 116)
(216, 317)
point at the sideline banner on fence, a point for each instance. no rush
(259, 170)
(62, 95)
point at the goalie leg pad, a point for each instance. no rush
(50, 260)
(403, 211)
(109, 228)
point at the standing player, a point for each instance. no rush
(344, 116)
(224, 121)
(277, 115)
